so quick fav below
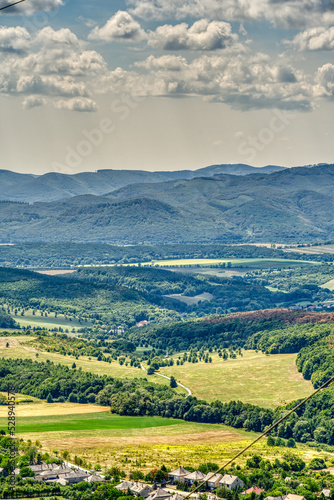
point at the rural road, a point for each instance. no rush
(168, 378)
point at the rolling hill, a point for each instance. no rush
(291, 205)
(54, 186)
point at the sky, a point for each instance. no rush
(165, 84)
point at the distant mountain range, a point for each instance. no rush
(286, 205)
(55, 186)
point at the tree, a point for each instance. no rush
(291, 443)
(74, 365)
(173, 382)
(270, 441)
(49, 398)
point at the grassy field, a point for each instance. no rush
(267, 381)
(144, 442)
(329, 284)
(49, 322)
(19, 350)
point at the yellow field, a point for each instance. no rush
(188, 444)
(255, 378)
(40, 408)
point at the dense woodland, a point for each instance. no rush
(69, 255)
(103, 304)
(235, 329)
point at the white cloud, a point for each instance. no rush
(80, 104)
(33, 101)
(202, 35)
(292, 13)
(57, 65)
(319, 38)
(50, 85)
(325, 80)
(120, 27)
(32, 6)
(13, 39)
(50, 37)
(244, 81)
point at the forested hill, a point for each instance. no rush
(103, 304)
(55, 186)
(292, 205)
(272, 330)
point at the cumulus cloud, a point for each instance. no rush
(319, 38)
(244, 81)
(50, 37)
(325, 80)
(13, 39)
(33, 6)
(120, 27)
(33, 101)
(280, 12)
(58, 65)
(202, 35)
(80, 104)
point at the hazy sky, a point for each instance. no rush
(165, 84)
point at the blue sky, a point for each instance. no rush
(165, 84)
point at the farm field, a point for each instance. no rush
(144, 442)
(312, 250)
(255, 378)
(19, 350)
(249, 263)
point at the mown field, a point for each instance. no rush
(133, 443)
(251, 263)
(321, 249)
(256, 378)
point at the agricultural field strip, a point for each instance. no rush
(208, 262)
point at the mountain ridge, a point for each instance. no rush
(54, 186)
(293, 205)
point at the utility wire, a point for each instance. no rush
(262, 435)
(11, 5)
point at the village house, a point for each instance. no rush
(141, 490)
(192, 477)
(275, 498)
(42, 467)
(253, 489)
(326, 493)
(178, 475)
(292, 496)
(137, 489)
(212, 480)
(159, 494)
(73, 477)
(231, 482)
(95, 478)
(124, 486)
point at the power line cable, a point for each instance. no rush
(11, 5)
(262, 435)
